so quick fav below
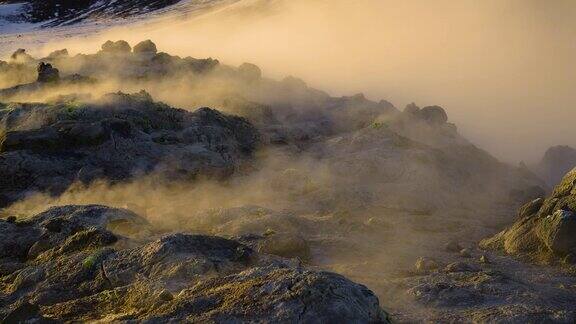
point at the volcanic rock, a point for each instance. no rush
(435, 115)
(115, 138)
(546, 229)
(117, 47)
(46, 73)
(85, 275)
(146, 47)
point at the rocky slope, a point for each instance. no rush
(87, 263)
(555, 163)
(47, 147)
(484, 284)
(341, 183)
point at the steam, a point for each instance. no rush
(500, 68)
(503, 69)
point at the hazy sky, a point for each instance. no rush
(504, 69)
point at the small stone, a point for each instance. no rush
(484, 259)
(165, 295)
(459, 267)
(465, 253)
(375, 223)
(426, 265)
(269, 232)
(118, 47)
(453, 247)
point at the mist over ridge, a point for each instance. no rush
(287, 161)
(487, 63)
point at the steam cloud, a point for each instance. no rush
(478, 60)
(504, 70)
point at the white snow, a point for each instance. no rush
(16, 34)
(10, 20)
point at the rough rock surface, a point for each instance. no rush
(117, 47)
(346, 184)
(46, 147)
(46, 73)
(98, 263)
(115, 60)
(546, 228)
(146, 47)
(503, 291)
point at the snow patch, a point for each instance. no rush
(11, 19)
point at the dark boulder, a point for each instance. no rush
(117, 47)
(146, 47)
(546, 228)
(558, 232)
(250, 72)
(434, 115)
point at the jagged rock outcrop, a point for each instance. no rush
(117, 47)
(89, 263)
(250, 72)
(546, 228)
(46, 73)
(145, 49)
(21, 57)
(557, 161)
(433, 115)
(292, 112)
(46, 147)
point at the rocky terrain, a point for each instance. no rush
(86, 263)
(233, 213)
(117, 137)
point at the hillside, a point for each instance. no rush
(298, 179)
